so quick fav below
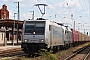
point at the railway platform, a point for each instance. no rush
(9, 47)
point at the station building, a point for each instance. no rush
(4, 13)
(10, 29)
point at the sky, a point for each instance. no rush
(63, 11)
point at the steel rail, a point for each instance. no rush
(80, 50)
(87, 56)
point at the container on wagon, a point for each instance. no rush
(74, 35)
(79, 36)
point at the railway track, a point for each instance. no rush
(81, 54)
(84, 52)
(15, 54)
(11, 52)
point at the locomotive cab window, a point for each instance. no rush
(39, 28)
(36, 28)
(29, 28)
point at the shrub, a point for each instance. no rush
(48, 56)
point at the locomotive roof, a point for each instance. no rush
(48, 21)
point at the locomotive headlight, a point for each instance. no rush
(25, 40)
(42, 40)
(34, 32)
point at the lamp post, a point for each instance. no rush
(88, 30)
(14, 15)
(18, 19)
(14, 19)
(13, 29)
(84, 27)
(73, 21)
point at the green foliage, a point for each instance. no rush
(6, 59)
(23, 58)
(48, 56)
(52, 57)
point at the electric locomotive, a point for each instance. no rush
(38, 34)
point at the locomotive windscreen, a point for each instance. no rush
(35, 28)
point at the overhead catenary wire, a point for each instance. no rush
(55, 13)
(85, 5)
(67, 3)
(84, 10)
(38, 0)
(55, 7)
(68, 6)
(89, 7)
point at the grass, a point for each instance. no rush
(62, 54)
